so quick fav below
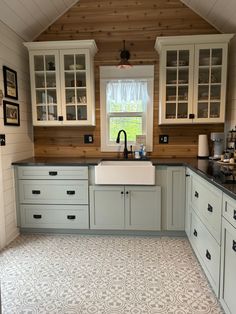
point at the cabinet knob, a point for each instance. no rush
(70, 192)
(121, 192)
(210, 208)
(37, 216)
(196, 194)
(71, 217)
(234, 216)
(208, 255)
(60, 118)
(195, 232)
(127, 192)
(36, 192)
(234, 246)
(52, 173)
(191, 116)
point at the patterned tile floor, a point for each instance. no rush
(71, 274)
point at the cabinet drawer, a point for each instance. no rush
(53, 192)
(228, 262)
(229, 209)
(52, 173)
(207, 202)
(54, 216)
(207, 250)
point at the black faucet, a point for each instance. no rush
(126, 152)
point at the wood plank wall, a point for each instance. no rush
(110, 22)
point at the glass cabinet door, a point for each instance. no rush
(210, 78)
(74, 86)
(177, 80)
(45, 68)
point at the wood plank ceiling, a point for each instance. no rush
(220, 13)
(28, 18)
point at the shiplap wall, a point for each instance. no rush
(19, 140)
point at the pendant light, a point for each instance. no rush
(124, 58)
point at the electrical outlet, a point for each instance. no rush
(2, 140)
(88, 138)
(163, 139)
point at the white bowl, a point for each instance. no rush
(76, 67)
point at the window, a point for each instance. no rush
(126, 103)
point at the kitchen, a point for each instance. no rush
(139, 27)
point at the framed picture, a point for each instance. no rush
(11, 113)
(10, 83)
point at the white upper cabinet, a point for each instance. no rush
(62, 82)
(193, 72)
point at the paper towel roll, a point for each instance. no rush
(203, 149)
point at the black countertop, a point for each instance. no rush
(207, 169)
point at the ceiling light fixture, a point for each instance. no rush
(124, 59)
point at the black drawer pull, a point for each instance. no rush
(210, 208)
(208, 255)
(36, 192)
(195, 232)
(52, 173)
(187, 175)
(234, 216)
(71, 217)
(234, 246)
(37, 216)
(70, 192)
(196, 194)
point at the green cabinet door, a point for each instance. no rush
(175, 198)
(228, 262)
(143, 207)
(107, 207)
(188, 190)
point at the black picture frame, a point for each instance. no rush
(10, 83)
(11, 113)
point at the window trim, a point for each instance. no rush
(107, 73)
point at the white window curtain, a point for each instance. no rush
(123, 92)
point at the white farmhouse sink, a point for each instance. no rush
(125, 172)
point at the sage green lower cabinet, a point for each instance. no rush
(175, 198)
(228, 265)
(207, 203)
(228, 256)
(54, 216)
(205, 210)
(52, 197)
(188, 208)
(54, 192)
(207, 250)
(143, 208)
(125, 207)
(107, 207)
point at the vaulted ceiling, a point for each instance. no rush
(29, 18)
(219, 13)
